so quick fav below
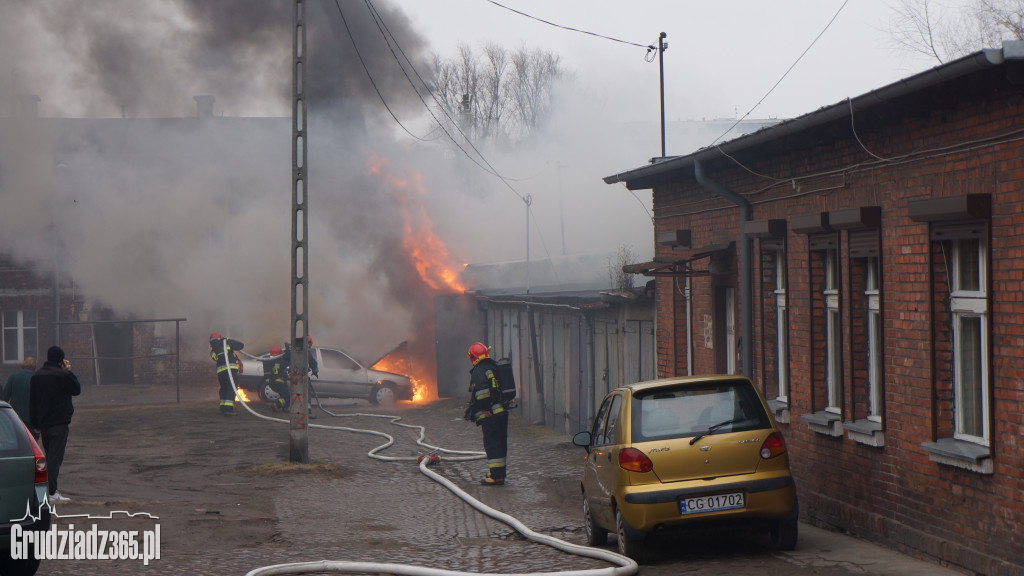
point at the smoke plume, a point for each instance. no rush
(155, 213)
(163, 214)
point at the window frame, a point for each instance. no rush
(833, 333)
(965, 305)
(781, 327)
(872, 292)
(20, 332)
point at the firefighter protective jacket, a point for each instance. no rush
(275, 370)
(484, 393)
(217, 353)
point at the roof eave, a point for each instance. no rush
(646, 177)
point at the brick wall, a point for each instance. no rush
(894, 493)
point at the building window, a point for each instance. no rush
(781, 326)
(874, 337)
(959, 231)
(833, 371)
(20, 335)
(969, 309)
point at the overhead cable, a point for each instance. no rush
(390, 38)
(359, 55)
(500, 5)
(790, 69)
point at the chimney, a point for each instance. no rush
(204, 106)
(28, 106)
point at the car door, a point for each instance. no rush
(341, 376)
(599, 470)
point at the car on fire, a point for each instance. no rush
(23, 490)
(690, 452)
(340, 375)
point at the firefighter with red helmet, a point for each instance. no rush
(227, 368)
(486, 409)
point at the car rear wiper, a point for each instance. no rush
(713, 428)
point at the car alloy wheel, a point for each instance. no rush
(630, 544)
(596, 536)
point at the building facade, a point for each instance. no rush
(863, 265)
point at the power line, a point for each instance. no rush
(768, 93)
(390, 38)
(370, 76)
(498, 4)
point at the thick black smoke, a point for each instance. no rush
(168, 218)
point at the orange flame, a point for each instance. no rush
(242, 395)
(428, 254)
(420, 380)
(424, 247)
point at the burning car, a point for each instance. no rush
(340, 376)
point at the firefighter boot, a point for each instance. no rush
(488, 481)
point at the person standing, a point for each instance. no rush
(486, 409)
(50, 410)
(227, 369)
(16, 392)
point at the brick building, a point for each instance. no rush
(863, 265)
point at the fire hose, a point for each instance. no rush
(624, 566)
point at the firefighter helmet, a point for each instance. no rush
(214, 336)
(275, 350)
(310, 341)
(478, 352)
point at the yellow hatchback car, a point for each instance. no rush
(685, 452)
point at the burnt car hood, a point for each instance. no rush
(401, 345)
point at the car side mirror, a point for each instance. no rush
(582, 439)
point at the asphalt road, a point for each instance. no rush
(228, 503)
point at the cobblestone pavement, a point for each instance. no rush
(371, 510)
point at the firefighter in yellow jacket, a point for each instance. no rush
(227, 369)
(486, 409)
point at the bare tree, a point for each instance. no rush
(621, 281)
(938, 31)
(496, 96)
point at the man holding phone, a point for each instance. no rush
(50, 410)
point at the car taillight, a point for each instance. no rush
(635, 461)
(40, 461)
(773, 446)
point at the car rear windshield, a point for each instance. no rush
(14, 440)
(687, 410)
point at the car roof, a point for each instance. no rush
(681, 380)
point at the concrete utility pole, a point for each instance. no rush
(298, 388)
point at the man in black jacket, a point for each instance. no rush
(50, 410)
(486, 409)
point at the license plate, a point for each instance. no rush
(702, 504)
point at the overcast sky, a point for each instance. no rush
(723, 56)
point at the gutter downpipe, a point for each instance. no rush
(689, 330)
(746, 267)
